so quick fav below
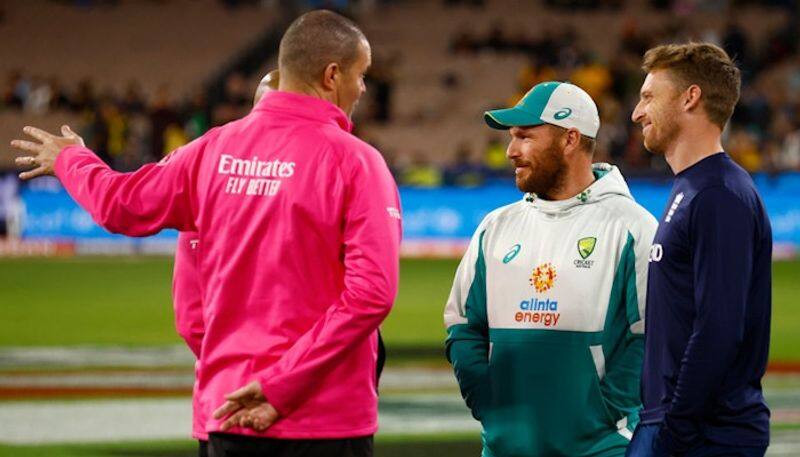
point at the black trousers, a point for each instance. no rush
(228, 445)
(202, 451)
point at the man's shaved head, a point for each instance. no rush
(315, 40)
(269, 82)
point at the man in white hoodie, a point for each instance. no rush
(545, 318)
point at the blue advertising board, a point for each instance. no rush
(433, 215)
(50, 214)
(455, 213)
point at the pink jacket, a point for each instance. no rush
(187, 299)
(299, 234)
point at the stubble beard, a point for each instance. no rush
(547, 176)
(662, 134)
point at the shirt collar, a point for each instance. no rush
(305, 106)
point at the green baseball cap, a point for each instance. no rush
(553, 102)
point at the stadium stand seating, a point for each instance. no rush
(435, 118)
(178, 44)
(438, 95)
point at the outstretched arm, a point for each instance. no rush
(154, 197)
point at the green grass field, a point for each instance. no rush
(423, 446)
(126, 301)
(393, 446)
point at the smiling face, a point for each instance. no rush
(538, 159)
(658, 111)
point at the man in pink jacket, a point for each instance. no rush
(187, 297)
(298, 225)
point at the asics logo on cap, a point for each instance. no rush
(562, 113)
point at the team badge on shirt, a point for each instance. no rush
(674, 207)
(586, 246)
(543, 277)
(585, 249)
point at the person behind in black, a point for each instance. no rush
(709, 282)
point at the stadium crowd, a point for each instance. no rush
(764, 133)
(131, 128)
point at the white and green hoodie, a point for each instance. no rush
(545, 322)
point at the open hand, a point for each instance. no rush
(247, 407)
(45, 151)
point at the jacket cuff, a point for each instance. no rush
(276, 397)
(670, 443)
(61, 159)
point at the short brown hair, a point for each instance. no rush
(706, 65)
(315, 40)
(587, 144)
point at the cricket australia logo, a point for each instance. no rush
(585, 249)
(586, 246)
(543, 277)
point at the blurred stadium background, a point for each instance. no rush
(91, 365)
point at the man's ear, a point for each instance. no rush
(329, 76)
(572, 140)
(691, 97)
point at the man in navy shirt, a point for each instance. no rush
(709, 291)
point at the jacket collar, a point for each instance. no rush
(305, 106)
(608, 182)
